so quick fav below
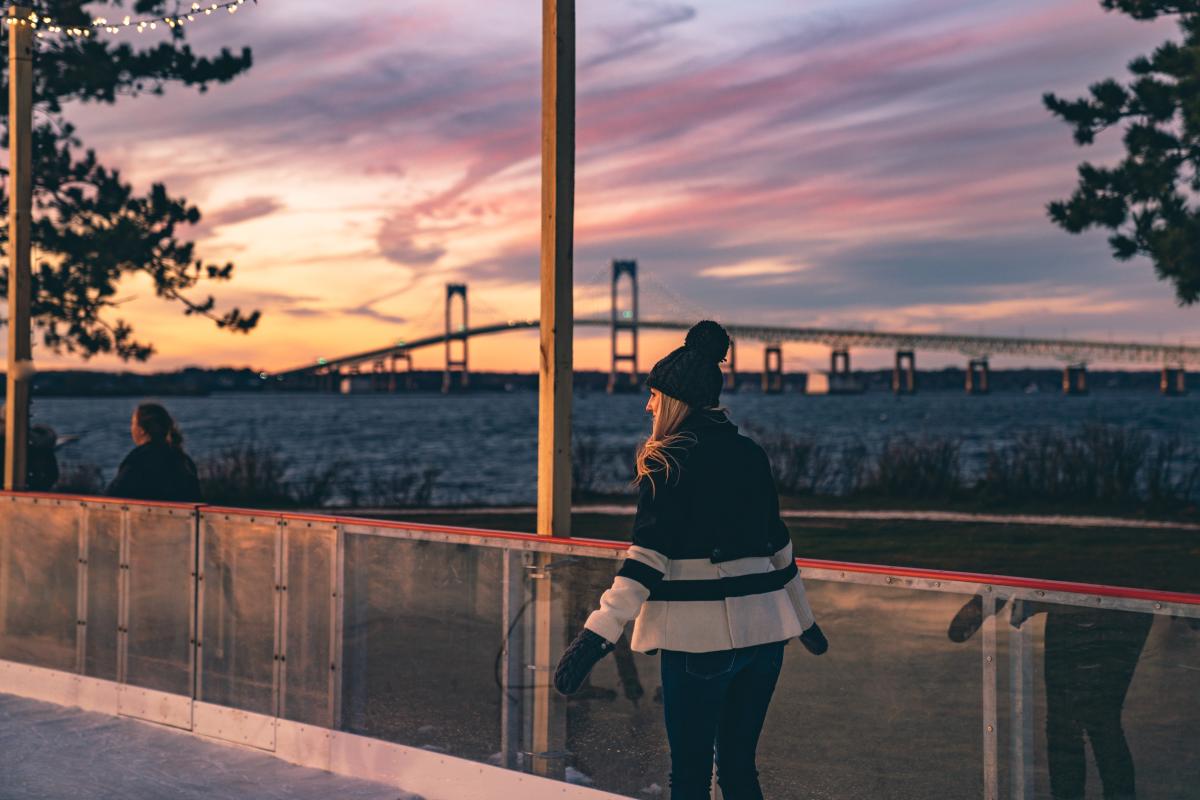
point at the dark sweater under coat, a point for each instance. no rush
(721, 504)
(157, 471)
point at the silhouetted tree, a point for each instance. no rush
(1148, 198)
(90, 227)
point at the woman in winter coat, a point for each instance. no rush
(710, 580)
(157, 468)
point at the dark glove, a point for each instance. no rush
(814, 640)
(578, 659)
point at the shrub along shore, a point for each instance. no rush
(1093, 469)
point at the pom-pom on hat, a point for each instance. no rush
(692, 373)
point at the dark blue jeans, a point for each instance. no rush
(717, 699)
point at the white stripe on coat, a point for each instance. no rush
(700, 626)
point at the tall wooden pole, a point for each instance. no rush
(20, 205)
(558, 217)
(548, 718)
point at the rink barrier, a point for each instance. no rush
(242, 631)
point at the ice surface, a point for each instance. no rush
(50, 752)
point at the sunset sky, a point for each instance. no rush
(878, 163)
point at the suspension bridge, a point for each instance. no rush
(624, 322)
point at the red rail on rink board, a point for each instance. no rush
(840, 566)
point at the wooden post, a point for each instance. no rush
(20, 205)
(558, 202)
(548, 718)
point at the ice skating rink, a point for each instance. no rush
(55, 753)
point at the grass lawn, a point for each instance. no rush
(1167, 559)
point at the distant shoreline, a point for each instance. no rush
(198, 382)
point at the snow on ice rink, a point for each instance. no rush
(48, 752)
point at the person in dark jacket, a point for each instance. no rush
(710, 578)
(157, 468)
(41, 459)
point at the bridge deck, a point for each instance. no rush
(974, 346)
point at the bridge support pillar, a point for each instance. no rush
(408, 378)
(1174, 380)
(378, 376)
(839, 361)
(977, 376)
(730, 368)
(346, 379)
(624, 320)
(455, 365)
(1075, 379)
(772, 377)
(904, 374)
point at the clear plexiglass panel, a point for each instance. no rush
(160, 600)
(39, 581)
(310, 598)
(103, 574)
(1110, 704)
(239, 601)
(421, 644)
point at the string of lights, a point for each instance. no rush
(45, 26)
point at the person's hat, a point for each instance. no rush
(692, 373)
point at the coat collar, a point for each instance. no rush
(705, 419)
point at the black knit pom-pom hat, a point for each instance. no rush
(692, 373)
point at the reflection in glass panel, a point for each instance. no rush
(103, 577)
(1115, 700)
(237, 650)
(894, 709)
(309, 680)
(39, 574)
(422, 644)
(614, 724)
(160, 600)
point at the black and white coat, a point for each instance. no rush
(711, 565)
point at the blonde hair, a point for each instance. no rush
(655, 453)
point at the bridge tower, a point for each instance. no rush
(624, 320)
(455, 333)
(904, 374)
(772, 377)
(977, 376)
(1075, 378)
(1174, 380)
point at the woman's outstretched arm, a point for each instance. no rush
(644, 565)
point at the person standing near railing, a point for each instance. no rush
(710, 578)
(41, 460)
(157, 468)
